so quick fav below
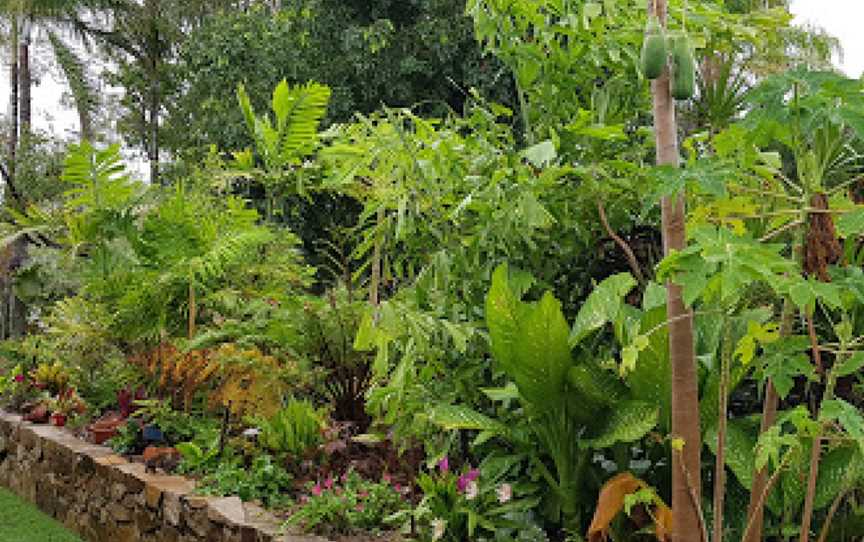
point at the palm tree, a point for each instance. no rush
(54, 18)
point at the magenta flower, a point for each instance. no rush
(466, 479)
(328, 483)
(444, 465)
(19, 378)
(316, 490)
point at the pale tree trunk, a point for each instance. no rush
(26, 81)
(686, 476)
(154, 102)
(13, 104)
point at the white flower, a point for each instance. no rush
(472, 490)
(505, 493)
(438, 528)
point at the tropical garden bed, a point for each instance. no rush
(626, 298)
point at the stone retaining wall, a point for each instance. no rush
(105, 498)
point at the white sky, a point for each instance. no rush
(841, 18)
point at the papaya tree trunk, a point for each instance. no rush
(686, 476)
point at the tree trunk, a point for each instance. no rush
(756, 508)
(26, 81)
(13, 102)
(686, 475)
(727, 349)
(154, 98)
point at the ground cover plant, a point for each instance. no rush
(619, 298)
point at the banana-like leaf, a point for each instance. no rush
(596, 385)
(629, 421)
(529, 341)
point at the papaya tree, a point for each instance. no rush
(686, 465)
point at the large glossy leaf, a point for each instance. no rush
(529, 341)
(740, 448)
(628, 421)
(602, 306)
(596, 385)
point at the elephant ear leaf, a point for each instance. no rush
(529, 342)
(602, 306)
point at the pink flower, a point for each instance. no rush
(472, 490)
(386, 478)
(19, 378)
(397, 488)
(505, 493)
(363, 494)
(359, 507)
(463, 481)
(316, 490)
(444, 465)
(328, 483)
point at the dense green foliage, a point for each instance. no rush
(378, 291)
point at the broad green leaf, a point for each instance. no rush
(595, 385)
(740, 448)
(602, 306)
(851, 224)
(629, 421)
(650, 380)
(282, 101)
(848, 366)
(847, 416)
(529, 341)
(455, 417)
(654, 296)
(839, 470)
(541, 155)
(533, 212)
(507, 393)
(783, 368)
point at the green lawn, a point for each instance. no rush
(22, 522)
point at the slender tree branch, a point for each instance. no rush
(628, 252)
(826, 527)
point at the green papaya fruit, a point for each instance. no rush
(654, 53)
(683, 67)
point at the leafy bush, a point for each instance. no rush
(355, 504)
(293, 430)
(263, 480)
